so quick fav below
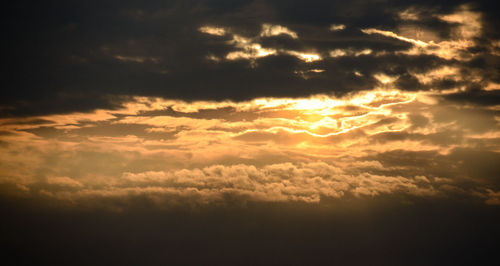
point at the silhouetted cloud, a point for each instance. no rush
(66, 56)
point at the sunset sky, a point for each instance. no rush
(218, 132)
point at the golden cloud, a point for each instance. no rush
(266, 149)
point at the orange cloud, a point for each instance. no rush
(267, 149)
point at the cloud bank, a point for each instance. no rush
(369, 144)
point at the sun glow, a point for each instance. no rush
(148, 132)
(323, 116)
(307, 57)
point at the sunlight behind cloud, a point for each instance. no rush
(307, 57)
(249, 48)
(171, 148)
(337, 27)
(269, 30)
(218, 31)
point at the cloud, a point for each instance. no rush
(269, 30)
(393, 35)
(337, 27)
(188, 87)
(257, 47)
(349, 52)
(63, 181)
(369, 144)
(149, 131)
(213, 30)
(307, 182)
(493, 198)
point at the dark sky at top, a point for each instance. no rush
(61, 56)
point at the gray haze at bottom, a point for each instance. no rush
(351, 231)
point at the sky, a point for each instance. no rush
(250, 132)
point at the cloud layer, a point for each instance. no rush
(66, 57)
(369, 144)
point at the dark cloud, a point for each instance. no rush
(64, 56)
(480, 97)
(463, 164)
